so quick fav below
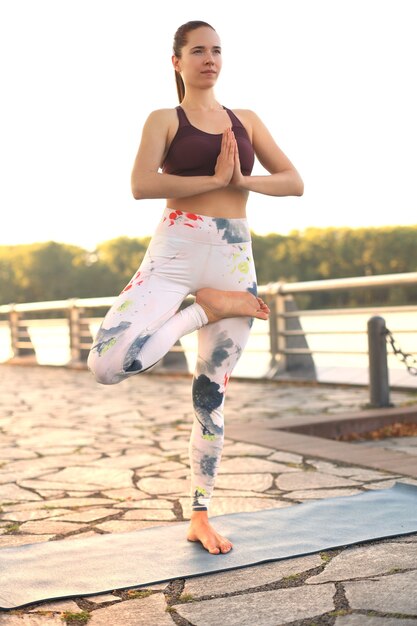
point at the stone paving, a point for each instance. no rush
(78, 458)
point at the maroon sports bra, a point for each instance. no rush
(194, 152)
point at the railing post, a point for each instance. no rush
(74, 315)
(281, 328)
(378, 364)
(14, 331)
(273, 335)
(276, 324)
(20, 341)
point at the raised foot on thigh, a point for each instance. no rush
(220, 304)
(201, 530)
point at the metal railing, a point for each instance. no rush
(287, 340)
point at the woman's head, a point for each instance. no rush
(182, 38)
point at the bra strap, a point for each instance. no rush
(183, 120)
(235, 120)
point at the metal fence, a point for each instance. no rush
(287, 340)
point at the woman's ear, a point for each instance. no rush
(176, 63)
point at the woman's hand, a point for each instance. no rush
(225, 163)
(237, 178)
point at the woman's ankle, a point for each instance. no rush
(209, 313)
(199, 516)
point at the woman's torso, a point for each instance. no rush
(193, 144)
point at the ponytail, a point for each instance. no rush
(180, 86)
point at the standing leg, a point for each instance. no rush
(220, 345)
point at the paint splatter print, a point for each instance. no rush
(180, 218)
(107, 337)
(187, 252)
(208, 465)
(233, 231)
(207, 398)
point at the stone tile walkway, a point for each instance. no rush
(77, 459)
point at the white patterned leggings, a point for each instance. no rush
(187, 252)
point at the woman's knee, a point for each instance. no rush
(102, 369)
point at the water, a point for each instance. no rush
(50, 339)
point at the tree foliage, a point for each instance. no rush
(55, 271)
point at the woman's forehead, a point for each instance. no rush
(203, 36)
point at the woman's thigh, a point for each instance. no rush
(151, 298)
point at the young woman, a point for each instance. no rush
(202, 246)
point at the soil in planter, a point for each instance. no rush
(398, 429)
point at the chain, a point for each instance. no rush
(409, 361)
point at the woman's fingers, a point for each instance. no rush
(225, 161)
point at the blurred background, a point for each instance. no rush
(333, 81)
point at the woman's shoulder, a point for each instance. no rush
(161, 121)
(246, 114)
(248, 117)
(160, 115)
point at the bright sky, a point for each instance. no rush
(334, 81)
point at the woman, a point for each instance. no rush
(202, 246)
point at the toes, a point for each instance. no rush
(263, 305)
(225, 547)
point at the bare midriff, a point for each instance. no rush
(227, 202)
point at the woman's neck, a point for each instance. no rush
(201, 102)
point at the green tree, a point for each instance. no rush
(52, 271)
(123, 256)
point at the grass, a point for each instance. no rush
(339, 612)
(392, 615)
(291, 577)
(133, 593)
(12, 527)
(186, 597)
(76, 618)
(325, 557)
(395, 570)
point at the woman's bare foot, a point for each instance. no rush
(201, 530)
(220, 304)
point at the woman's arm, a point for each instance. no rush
(283, 178)
(148, 182)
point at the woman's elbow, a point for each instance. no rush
(298, 185)
(145, 185)
(137, 193)
(138, 188)
(300, 189)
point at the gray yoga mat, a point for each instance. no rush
(81, 567)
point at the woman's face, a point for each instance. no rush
(200, 62)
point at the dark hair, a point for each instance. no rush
(180, 40)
